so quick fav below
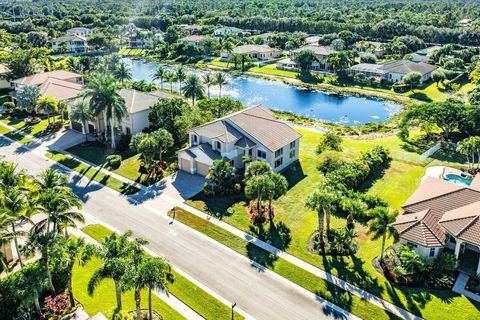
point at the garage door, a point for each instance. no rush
(186, 165)
(202, 169)
(77, 126)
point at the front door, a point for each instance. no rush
(91, 129)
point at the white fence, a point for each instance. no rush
(430, 151)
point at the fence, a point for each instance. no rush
(430, 151)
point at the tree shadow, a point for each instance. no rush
(219, 206)
(374, 176)
(276, 235)
(294, 174)
(260, 256)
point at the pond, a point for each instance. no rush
(342, 109)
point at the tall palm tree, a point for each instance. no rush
(50, 180)
(193, 88)
(257, 188)
(381, 226)
(10, 177)
(220, 81)
(62, 106)
(208, 81)
(159, 74)
(123, 72)
(81, 112)
(170, 76)
(180, 76)
(133, 274)
(48, 105)
(322, 203)
(104, 98)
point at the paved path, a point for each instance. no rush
(461, 283)
(259, 293)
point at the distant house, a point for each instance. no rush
(68, 43)
(194, 40)
(443, 215)
(374, 47)
(259, 52)
(139, 39)
(80, 31)
(393, 71)
(227, 31)
(190, 28)
(59, 84)
(312, 40)
(253, 132)
(138, 106)
(464, 22)
(4, 84)
(424, 55)
(321, 54)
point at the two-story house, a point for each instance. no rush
(80, 31)
(260, 52)
(253, 132)
(74, 43)
(321, 54)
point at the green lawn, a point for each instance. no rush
(193, 296)
(130, 166)
(395, 183)
(14, 136)
(91, 173)
(132, 52)
(271, 69)
(37, 130)
(219, 63)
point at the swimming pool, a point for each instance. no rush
(455, 178)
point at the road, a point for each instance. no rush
(263, 295)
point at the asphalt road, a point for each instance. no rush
(262, 295)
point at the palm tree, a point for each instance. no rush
(10, 177)
(322, 202)
(48, 105)
(220, 80)
(62, 106)
(133, 276)
(280, 187)
(180, 76)
(257, 187)
(193, 88)
(123, 72)
(164, 140)
(104, 98)
(50, 180)
(208, 81)
(159, 74)
(81, 112)
(381, 225)
(34, 282)
(115, 254)
(171, 79)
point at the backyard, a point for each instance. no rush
(294, 224)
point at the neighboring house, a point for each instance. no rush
(321, 54)
(424, 55)
(312, 40)
(194, 40)
(60, 84)
(377, 48)
(393, 71)
(252, 132)
(227, 31)
(464, 22)
(80, 31)
(440, 215)
(158, 36)
(140, 39)
(4, 83)
(259, 52)
(138, 106)
(190, 28)
(68, 43)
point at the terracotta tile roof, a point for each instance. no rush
(60, 89)
(476, 182)
(431, 188)
(421, 228)
(39, 78)
(463, 222)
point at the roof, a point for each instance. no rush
(3, 69)
(312, 40)
(463, 223)
(406, 66)
(244, 142)
(234, 29)
(476, 182)
(68, 38)
(39, 78)
(317, 50)
(203, 153)
(253, 48)
(136, 101)
(194, 38)
(367, 67)
(431, 188)
(258, 123)
(78, 29)
(420, 227)
(60, 89)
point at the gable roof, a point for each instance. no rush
(405, 66)
(463, 222)
(317, 50)
(253, 48)
(203, 153)
(68, 38)
(420, 227)
(39, 78)
(60, 89)
(257, 123)
(136, 101)
(431, 188)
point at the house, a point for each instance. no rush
(158, 36)
(190, 28)
(424, 55)
(252, 132)
(80, 31)
(59, 84)
(464, 22)
(139, 39)
(393, 71)
(312, 40)
(227, 31)
(138, 107)
(194, 40)
(321, 54)
(68, 43)
(259, 52)
(4, 83)
(443, 215)
(377, 48)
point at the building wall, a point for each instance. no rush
(422, 251)
(72, 46)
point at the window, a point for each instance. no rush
(127, 130)
(292, 144)
(432, 252)
(278, 162)
(278, 153)
(195, 139)
(411, 245)
(250, 152)
(218, 145)
(261, 154)
(292, 154)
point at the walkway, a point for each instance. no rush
(461, 283)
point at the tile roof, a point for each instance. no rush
(463, 222)
(405, 66)
(40, 78)
(136, 101)
(317, 50)
(68, 38)
(203, 153)
(60, 89)
(476, 182)
(253, 48)
(431, 188)
(421, 228)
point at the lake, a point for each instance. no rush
(342, 109)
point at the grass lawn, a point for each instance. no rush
(132, 52)
(395, 183)
(130, 166)
(193, 296)
(37, 130)
(219, 63)
(14, 136)
(91, 173)
(271, 69)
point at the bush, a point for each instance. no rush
(329, 141)
(114, 160)
(9, 105)
(330, 161)
(57, 305)
(124, 142)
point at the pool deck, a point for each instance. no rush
(439, 172)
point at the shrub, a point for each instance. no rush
(57, 305)
(124, 142)
(9, 105)
(329, 162)
(329, 141)
(114, 160)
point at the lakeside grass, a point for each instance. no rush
(196, 298)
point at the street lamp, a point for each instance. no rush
(233, 306)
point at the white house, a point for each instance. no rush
(68, 43)
(259, 52)
(252, 132)
(194, 40)
(227, 31)
(80, 31)
(442, 215)
(321, 54)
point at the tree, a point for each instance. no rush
(322, 203)
(170, 76)
(47, 105)
(368, 58)
(180, 76)
(221, 177)
(33, 283)
(193, 88)
(208, 81)
(257, 168)
(27, 96)
(470, 147)
(123, 72)
(37, 39)
(330, 141)
(304, 60)
(412, 79)
(171, 35)
(280, 187)
(50, 180)
(81, 112)
(474, 96)
(258, 187)
(220, 81)
(159, 74)
(338, 44)
(22, 63)
(380, 226)
(438, 76)
(164, 140)
(219, 107)
(339, 60)
(164, 113)
(104, 98)
(148, 148)
(62, 106)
